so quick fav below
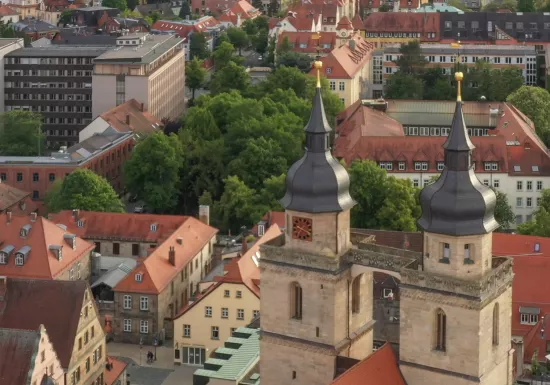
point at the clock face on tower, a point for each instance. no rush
(301, 228)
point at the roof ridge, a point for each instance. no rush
(47, 247)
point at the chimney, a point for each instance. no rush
(204, 214)
(142, 107)
(76, 215)
(128, 119)
(172, 256)
(33, 216)
(8, 216)
(352, 44)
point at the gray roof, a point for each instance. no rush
(33, 25)
(317, 182)
(42, 42)
(59, 51)
(112, 277)
(458, 203)
(110, 262)
(241, 360)
(153, 47)
(469, 49)
(164, 9)
(93, 9)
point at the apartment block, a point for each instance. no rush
(55, 81)
(148, 68)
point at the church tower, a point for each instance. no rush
(455, 326)
(311, 308)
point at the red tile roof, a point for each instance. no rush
(345, 62)
(156, 270)
(520, 245)
(183, 30)
(55, 304)
(41, 262)
(303, 23)
(11, 196)
(380, 368)
(327, 42)
(344, 23)
(7, 11)
(118, 367)
(422, 23)
(272, 218)
(129, 117)
(357, 22)
(326, 9)
(18, 351)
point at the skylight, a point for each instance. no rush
(535, 168)
(517, 168)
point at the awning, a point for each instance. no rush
(529, 310)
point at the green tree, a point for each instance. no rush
(130, 13)
(195, 76)
(412, 60)
(458, 4)
(299, 60)
(503, 211)
(271, 51)
(273, 190)
(64, 19)
(131, 4)
(120, 4)
(153, 171)
(539, 226)
(198, 46)
(257, 4)
(404, 86)
(21, 134)
(400, 209)
(230, 77)
(273, 8)
(437, 86)
(84, 190)
(238, 205)
(262, 41)
(384, 8)
(545, 199)
(223, 54)
(285, 46)
(526, 6)
(200, 122)
(185, 10)
(238, 38)
(534, 102)
(509, 5)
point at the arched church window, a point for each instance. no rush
(356, 294)
(296, 300)
(495, 324)
(441, 330)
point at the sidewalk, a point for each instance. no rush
(165, 354)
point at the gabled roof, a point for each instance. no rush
(157, 272)
(183, 28)
(7, 11)
(54, 304)
(403, 22)
(10, 196)
(304, 23)
(41, 261)
(116, 369)
(298, 39)
(18, 350)
(131, 112)
(381, 367)
(345, 23)
(246, 10)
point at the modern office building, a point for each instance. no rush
(55, 81)
(148, 68)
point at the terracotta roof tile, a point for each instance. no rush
(10, 196)
(422, 23)
(344, 23)
(54, 304)
(344, 62)
(302, 24)
(357, 22)
(41, 262)
(130, 112)
(183, 30)
(18, 350)
(7, 11)
(118, 367)
(327, 42)
(381, 367)
(187, 241)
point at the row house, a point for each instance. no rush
(66, 311)
(226, 302)
(383, 28)
(348, 68)
(103, 153)
(172, 253)
(405, 138)
(445, 57)
(32, 247)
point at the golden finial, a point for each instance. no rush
(318, 65)
(459, 76)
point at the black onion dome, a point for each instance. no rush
(458, 203)
(317, 183)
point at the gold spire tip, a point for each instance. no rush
(318, 66)
(459, 76)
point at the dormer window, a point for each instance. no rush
(25, 230)
(3, 258)
(80, 223)
(329, 70)
(22, 255)
(19, 259)
(139, 277)
(154, 227)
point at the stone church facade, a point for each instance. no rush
(317, 299)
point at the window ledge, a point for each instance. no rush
(444, 260)
(468, 261)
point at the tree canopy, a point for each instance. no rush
(195, 75)
(504, 214)
(83, 189)
(120, 4)
(534, 102)
(198, 46)
(540, 224)
(238, 38)
(299, 60)
(153, 171)
(21, 134)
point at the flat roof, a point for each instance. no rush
(478, 49)
(153, 47)
(8, 41)
(92, 9)
(64, 50)
(241, 359)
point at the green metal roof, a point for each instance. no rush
(241, 360)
